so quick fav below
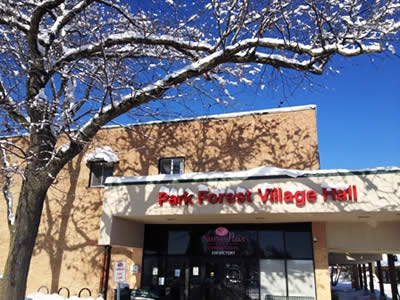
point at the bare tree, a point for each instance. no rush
(68, 67)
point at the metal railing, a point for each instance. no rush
(85, 289)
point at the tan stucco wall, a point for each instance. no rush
(287, 140)
(132, 256)
(364, 237)
(67, 252)
(322, 279)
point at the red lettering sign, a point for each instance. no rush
(273, 195)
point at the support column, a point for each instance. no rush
(392, 276)
(380, 277)
(365, 277)
(371, 278)
(355, 278)
(322, 279)
(360, 276)
(105, 272)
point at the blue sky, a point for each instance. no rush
(358, 119)
(358, 114)
(358, 111)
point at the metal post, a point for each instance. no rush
(371, 278)
(105, 271)
(380, 277)
(365, 277)
(392, 276)
(119, 291)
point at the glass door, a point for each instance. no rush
(196, 274)
(230, 278)
(175, 278)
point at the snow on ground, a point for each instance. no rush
(40, 296)
(345, 292)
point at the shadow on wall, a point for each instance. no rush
(68, 231)
(218, 145)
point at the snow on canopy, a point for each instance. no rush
(336, 186)
(103, 154)
(260, 171)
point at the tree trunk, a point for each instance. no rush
(22, 239)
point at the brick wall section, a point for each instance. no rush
(322, 279)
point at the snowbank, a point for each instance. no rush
(40, 296)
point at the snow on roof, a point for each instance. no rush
(104, 154)
(256, 172)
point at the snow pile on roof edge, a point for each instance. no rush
(40, 296)
(105, 154)
(260, 171)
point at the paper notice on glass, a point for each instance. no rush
(195, 271)
(177, 273)
(161, 281)
(155, 271)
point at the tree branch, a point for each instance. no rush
(11, 107)
(6, 170)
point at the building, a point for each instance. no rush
(194, 211)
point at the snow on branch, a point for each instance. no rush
(6, 172)
(8, 103)
(8, 16)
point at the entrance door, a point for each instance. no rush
(226, 278)
(202, 278)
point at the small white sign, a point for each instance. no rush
(120, 271)
(134, 269)
(195, 271)
(177, 273)
(161, 281)
(155, 271)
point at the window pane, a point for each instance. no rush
(157, 243)
(107, 172)
(177, 165)
(272, 278)
(99, 173)
(299, 245)
(165, 166)
(271, 244)
(96, 175)
(172, 165)
(301, 278)
(178, 242)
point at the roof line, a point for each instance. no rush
(221, 116)
(199, 118)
